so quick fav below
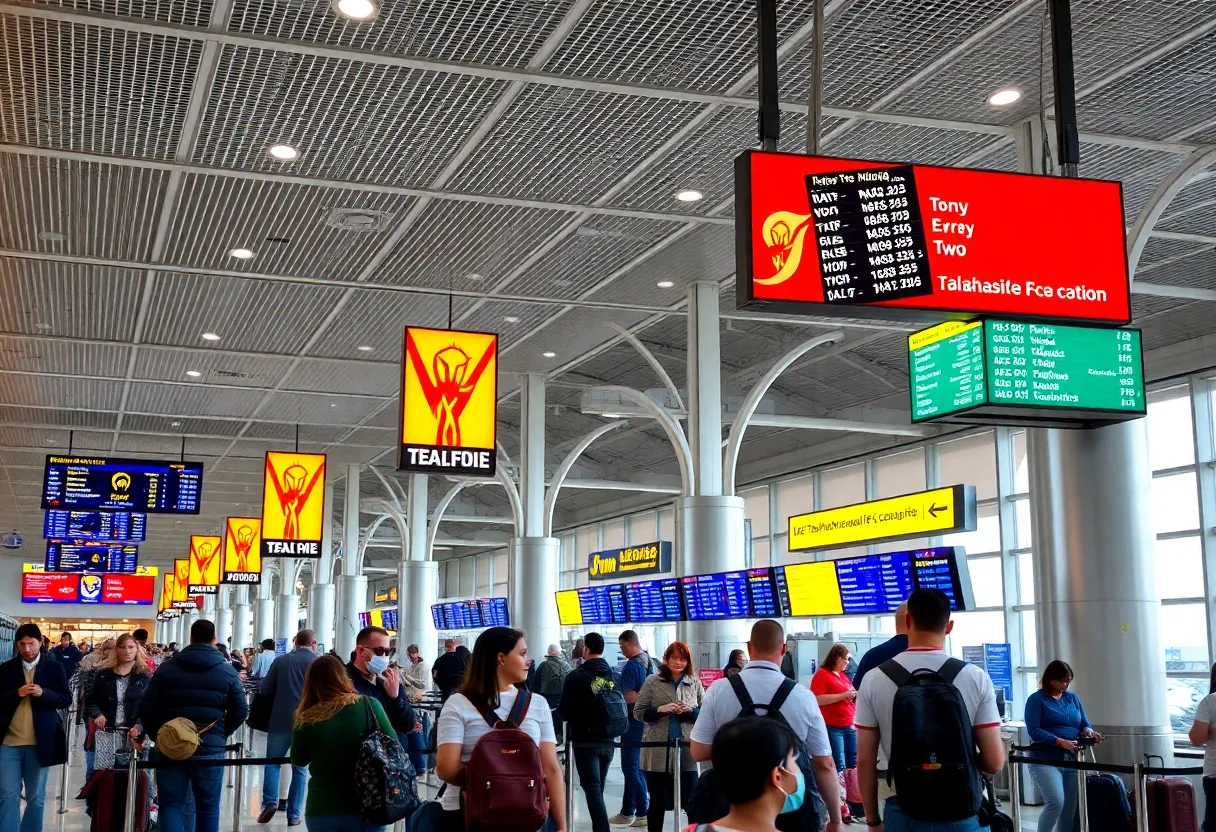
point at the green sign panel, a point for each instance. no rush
(1007, 372)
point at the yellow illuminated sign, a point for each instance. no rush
(630, 561)
(940, 333)
(243, 550)
(293, 504)
(181, 583)
(449, 402)
(166, 593)
(814, 588)
(205, 552)
(377, 618)
(925, 513)
(569, 611)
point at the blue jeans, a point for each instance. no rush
(636, 800)
(20, 763)
(592, 765)
(897, 821)
(190, 795)
(1059, 789)
(339, 823)
(277, 744)
(844, 746)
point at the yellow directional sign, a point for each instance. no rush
(925, 513)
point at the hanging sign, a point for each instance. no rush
(205, 552)
(242, 550)
(166, 593)
(181, 581)
(293, 498)
(449, 402)
(925, 513)
(646, 559)
(825, 236)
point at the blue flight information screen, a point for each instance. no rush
(650, 601)
(85, 483)
(437, 617)
(720, 595)
(389, 617)
(936, 569)
(765, 602)
(117, 526)
(494, 612)
(874, 583)
(603, 604)
(79, 556)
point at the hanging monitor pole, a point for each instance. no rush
(1068, 143)
(770, 111)
(814, 115)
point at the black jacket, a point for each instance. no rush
(198, 684)
(103, 696)
(448, 672)
(49, 735)
(400, 712)
(69, 656)
(578, 701)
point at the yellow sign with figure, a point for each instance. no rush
(205, 552)
(182, 599)
(925, 513)
(243, 550)
(293, 505)
(449, 402)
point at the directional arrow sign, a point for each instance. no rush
(923, 514)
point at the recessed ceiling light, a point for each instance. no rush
(511, 319)
(175, 424)
(241, 253)
(210, 336)
(193, 373)
(1004, 97)
(549, 354)
(365, 348)
(283, 152)
(664, 284)
(42, 325)
(473, 276)
(689, 195)
(333, 404)
(357, 9)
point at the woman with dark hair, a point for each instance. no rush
(330, 724)
(668, 703)
(1056, 721)
(837, 700)
(576, 653)
(493, 680)
(736, 662)
(1202, 734)
(757, 764)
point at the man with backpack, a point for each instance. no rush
(752, 691)
(927, 727)
(593, 703)
(636, 799)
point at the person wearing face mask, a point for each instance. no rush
(757, 764)
(371, 676)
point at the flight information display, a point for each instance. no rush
(652, 601)
(88, 588)
(602, 604)
(81, 556)
(390, 619)
(720, 595)
(473, 614)
(122, 485)
(117, 526)
(765, 601)
(494, 612)
(437, 616)
(874, 583)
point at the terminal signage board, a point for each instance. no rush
(110, 526)
(42, 586)
(90, 556)
(924, 513)
(242, 550)
(449, 402)
(95, 483)
(181, 582)
(293, 505)
(828, 236)
(646, 559)
(1011, 373)
(206, 551)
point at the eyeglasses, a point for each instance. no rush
(379, 651)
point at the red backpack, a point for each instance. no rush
(504, 784)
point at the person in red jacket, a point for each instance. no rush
(837, 699)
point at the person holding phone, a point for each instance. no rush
(372, 676)
(837, 700)
(668, 704)
(1056, 722)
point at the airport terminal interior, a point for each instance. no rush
(663, 315)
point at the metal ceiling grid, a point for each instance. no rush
(1159, 249)
(61, 356)
(195, 400)
(708, 253)
(1141, 171)
(68, 301)
(319, 410)
(491, 316)
(71, 207)
(582, 329)
(51, 439)
(379, 438)
(1194, 221)
(453, 240)
(216, 367)
(286, 432)
(58, 391)
(93, 88)
(1183, 324)
(835, 383)
(360, 377)
(292, 229)
(496, 32)
(248, 314)
(350, 120)
(377, 319)
(182, 12)
(1159, 100)
(1198, 271)
(32, 416)
(179, 425)
(569, 145)
(1004, 157)
(26, 464)
(902, 142)
(1147, 305)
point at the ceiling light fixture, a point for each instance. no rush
(175, 424)
(357, 9)
(689, 195)
(241, 253)
(474, 276)
(664, 284)
(193, 373)
(511, 319)
(1004, 97)
(283, 152)
(549, 354)
(365, 348)
(210, 336)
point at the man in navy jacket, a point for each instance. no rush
(32, 690)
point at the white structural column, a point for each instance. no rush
(263, 607)
(534, 558)
(223, 617)
(352, 587)
(709, 526)
(418, 577)
(287, 620)
(321, 593)
(242, 620)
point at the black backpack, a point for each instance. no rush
(707, 804)
(386, 785)
(934, 762)
(610, 714)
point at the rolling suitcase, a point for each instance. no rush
(106, 800)
(1171, 804)
(1107, 804)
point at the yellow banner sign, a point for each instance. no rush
(166, 593)
(181, 584)
(243, 550)
(925, 513)
(449, 402)
(205, 553)
(293, 505)
(569, 610)
(630, 561)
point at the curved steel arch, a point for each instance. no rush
(559, 476)
(1138, 237)
(652, 360)
(675, 433)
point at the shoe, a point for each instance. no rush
(620, 820)
(639, 822)
(293, 821)
(282, 805)
(267, 814)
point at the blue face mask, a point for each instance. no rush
(793, 802)
(377, 665)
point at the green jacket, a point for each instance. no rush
(330, 749)
(551, 676)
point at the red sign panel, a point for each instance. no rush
(128, 589)
(881, 239)
(50, 588)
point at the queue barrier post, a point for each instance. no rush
(63, 773)
(1140, 799)
(1082, 799)
(1015, 787)
(238, 796)
(132, 789)
(677, 769)
(570, 774)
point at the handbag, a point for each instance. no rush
(385, 781)
(259, 712)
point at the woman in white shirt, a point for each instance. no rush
(1202, 734)
(498, 667)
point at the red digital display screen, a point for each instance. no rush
(128, 589)
(86, 588)
(50, 588)
(880, 239)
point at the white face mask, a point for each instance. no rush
(377, 665)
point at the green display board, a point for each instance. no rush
(1008, 372)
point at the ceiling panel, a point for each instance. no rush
(220, 368)
(362, 377)
(67, 300)
(319, 410)
(52, 391)
(707, 253)
(58, 417)
(378, 319)
(48, 355)
(286, 432)
(180, 425)
(191, 400)
(581, 330)
(183, 12)
(1140, 171)
(901, 142)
